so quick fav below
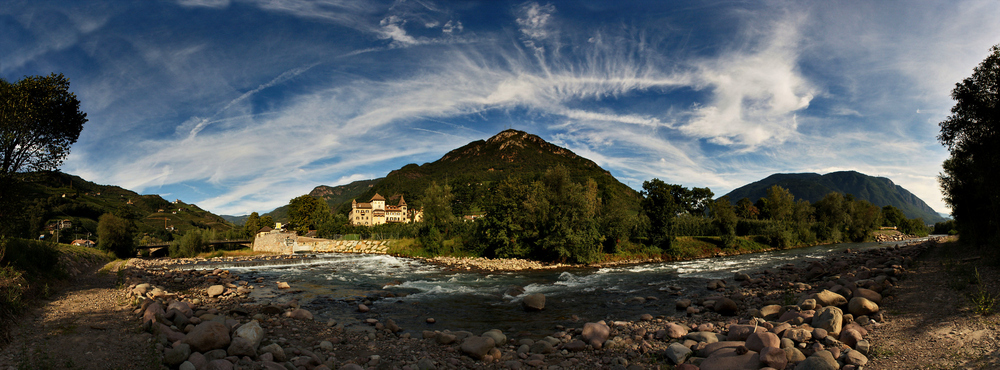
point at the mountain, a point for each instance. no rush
(55, 196)
(335, 196)
(813, 187)
(472, 168)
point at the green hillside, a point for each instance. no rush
(812, 187)
(56, 196)
(472, 168)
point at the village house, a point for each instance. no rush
(377, 212)
(83, 243)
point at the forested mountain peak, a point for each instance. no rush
(880, 191)
(508, 146)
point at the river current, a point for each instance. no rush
(410, 291)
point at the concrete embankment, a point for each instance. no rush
(287, 243)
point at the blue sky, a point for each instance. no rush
(241, 105)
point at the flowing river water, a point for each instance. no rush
(409, 291)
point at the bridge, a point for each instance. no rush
(214, 243)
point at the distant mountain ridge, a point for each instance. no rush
(879, 191)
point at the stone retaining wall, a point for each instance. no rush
(287, 243)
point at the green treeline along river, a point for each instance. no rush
(332, 285)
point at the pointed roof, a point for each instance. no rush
(401, 201)
(378, 197)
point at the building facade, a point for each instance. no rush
(376, 212)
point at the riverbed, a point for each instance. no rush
(409, 291)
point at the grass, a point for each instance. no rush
(983, 302)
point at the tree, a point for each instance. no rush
(972, 135)
(560, 217)
(892, 216)
(745, 209)
(501, 230)
(725, 219)
(252, 225)
(660, 207)
(266, 221)
(780, 203)
(307, 213)
(39, 120)
(115, 235)
(437, 205)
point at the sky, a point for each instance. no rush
(241, 105)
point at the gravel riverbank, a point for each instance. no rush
(827, 315)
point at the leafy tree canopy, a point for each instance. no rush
(39, 120)
(972, 135)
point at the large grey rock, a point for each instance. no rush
(771, 312)
(827, 298)
(477, 347)
(498, 337)
(726, 306)
(860, 306)
(252, 332)
(152, 314)
(729, 359)
(773, 357)
(198, 360)
(275, 350)
(702, 336)
(215, 291)
(821, 360)
(759, 340)
(445, 338)
(798, 335)
(187, 365)
(595, 334)
(183, 307)
(711, 348)
(677, 353)
(742, 332)
(794, 354)
(855, 358)
(675, 331)
(534, 302)
(868, 294)
(300, 314)
(177, 355)
(829, 318)
(219, 365)
(207, 336)
(241, 347)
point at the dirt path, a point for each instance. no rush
(932, 324)
(87, 325)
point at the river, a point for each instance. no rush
(410, 291)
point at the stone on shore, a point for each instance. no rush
(362, 308)
(773, 357)
(855, 358)
(827, 298)
(300, 314)
(821, 360)
(677, 353)
(595, 334)
(758, 340)
(861, 306)
(726, 307)
(252, 332)
(215, 291)
(207, 336)
(675, 331)
(241, 347)
(868, 294)
(729, 359)
(177, 355)
(219, 365)
(742, 332)
(534, 302)
(275, 350)
(829, 318)
(498, 337)
(477, 347)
